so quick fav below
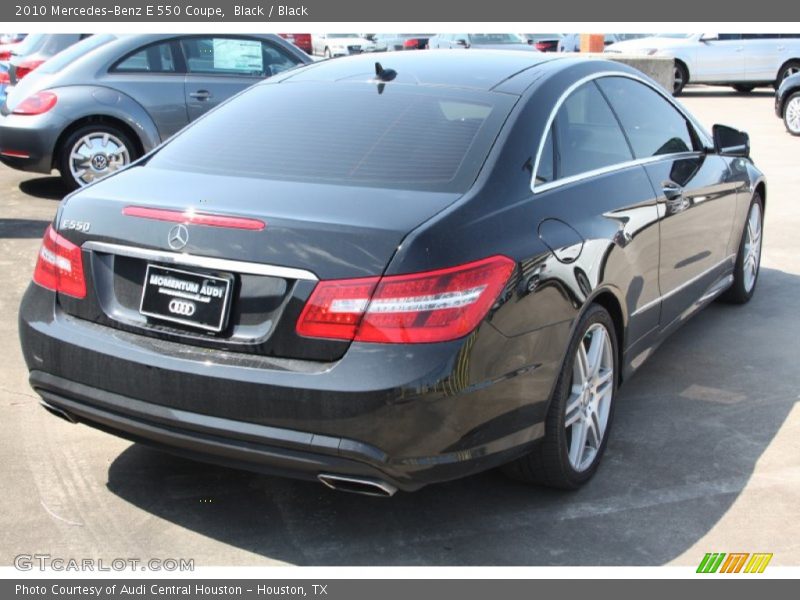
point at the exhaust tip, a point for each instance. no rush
(61, 414)
(358, 485)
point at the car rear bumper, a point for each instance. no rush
(27, 142)
(405, 415)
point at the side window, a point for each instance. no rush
(730, 36)
(224, 56)
(153, 59)
(276, 60)
(652, 124)
(588, 134)
(546, 171)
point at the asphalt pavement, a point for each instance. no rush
(704, 455)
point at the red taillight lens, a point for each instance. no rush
(4, 78)
(5, 54)
(60, 265)
(25, 67)
(434, 306)
(412, 43)
(37, 104)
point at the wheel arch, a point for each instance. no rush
(96, 119)
(784, 64)
(609, 301)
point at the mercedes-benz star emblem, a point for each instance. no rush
(178, 237)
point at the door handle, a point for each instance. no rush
(671, 190)
(200, 95)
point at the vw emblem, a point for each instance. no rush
(178, 237)
(182, 307)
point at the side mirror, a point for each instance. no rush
(462, 42)
(731, 142)
(709, 37)
(530, 42)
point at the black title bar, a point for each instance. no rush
(441, 11)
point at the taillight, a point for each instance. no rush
(37, 104)
(25, 67)
(5, 54)
(412, 43)
(60, 265)
(4, 78)
(434, 306)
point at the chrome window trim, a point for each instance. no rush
(203, 262)
(699, 130)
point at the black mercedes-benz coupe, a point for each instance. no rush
(388, 275)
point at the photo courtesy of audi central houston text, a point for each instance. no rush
(380, 271)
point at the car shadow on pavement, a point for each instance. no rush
(22, 228)
(690, 428)
(703, 92)
(48, 188)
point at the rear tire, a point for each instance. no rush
(561, 460)
(748, 259)
(105, 149)
(790, 68)
(791, 114)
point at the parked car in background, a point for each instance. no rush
(11, 38)
(571, 42)
(493, 243)
(543, 42)
(331, 45)
(742, 60)
(301, 40)
(4, 81)
(485, 41)
(787, 103)
(104, 102)
(401, 41)
(36, 49)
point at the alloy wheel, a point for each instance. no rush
(96, 155)
(589, 404)
(752, 247)
(792, 115)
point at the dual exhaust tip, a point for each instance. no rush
(355, 485)
(358, 485)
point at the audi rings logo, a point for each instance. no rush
(182, 307)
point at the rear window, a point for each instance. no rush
(397, 136)
(74, 52)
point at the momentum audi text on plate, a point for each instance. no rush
(497, 242)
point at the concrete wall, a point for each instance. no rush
(660, 68)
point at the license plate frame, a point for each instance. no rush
(188, 289)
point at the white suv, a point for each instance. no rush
(742, 60)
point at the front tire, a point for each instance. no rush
(93, 152)
(680, 78)
(581, 409)
(748, 259)
(791, 114)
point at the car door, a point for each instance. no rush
(762, 55)
(153, 76)
(719, 58)
(597, 208)
(695, 189)
(217, 67)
